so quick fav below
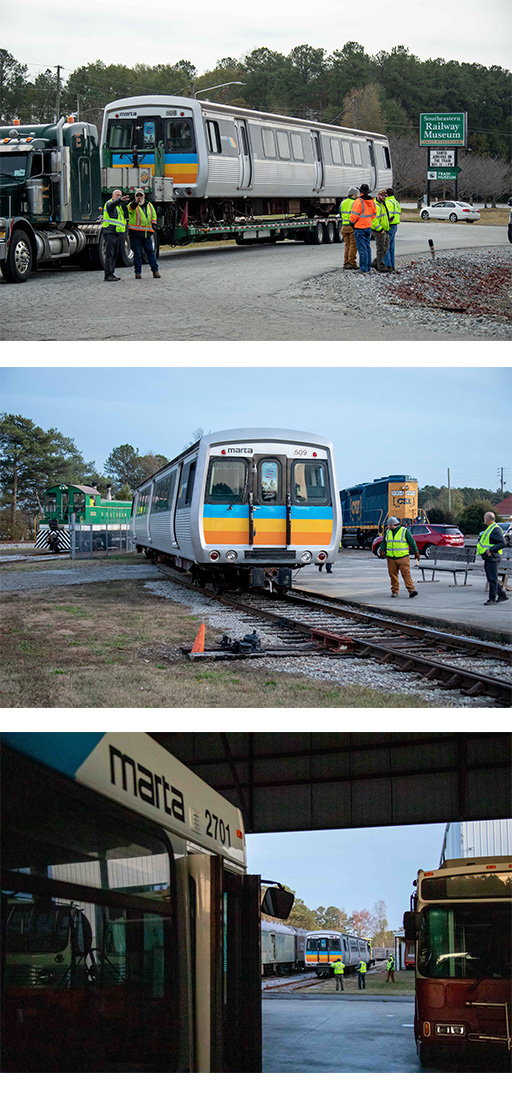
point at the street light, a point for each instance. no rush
(194, 94)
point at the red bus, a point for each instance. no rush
(461, 925)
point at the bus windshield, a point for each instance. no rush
(466, 941)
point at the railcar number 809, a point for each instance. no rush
(220, 829)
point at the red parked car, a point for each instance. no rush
(429, 535)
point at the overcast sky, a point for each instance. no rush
(382, 421)
(122, 32)
(350, 869)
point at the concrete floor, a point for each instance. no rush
(362, 579)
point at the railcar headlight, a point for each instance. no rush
(231, 556)
(214, 555)
(306, 556)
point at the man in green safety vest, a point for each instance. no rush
(114, 228)
(490, 546)
(141, 224)
(339, 970)
(361, 974)
(347, 230)
(390, 976)
(397, 545)
(395, 212)
(380, 231)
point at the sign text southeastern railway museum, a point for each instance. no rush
(443, 129)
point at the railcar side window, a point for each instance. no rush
(180, 136)
(163, 493)
(283, 144)
(269, 142)
(356, 151)
(87, 915)
(187, 484)
(310, 484)
(213, 136)
(143, 502)
(227, 480)
(386, 157)
(336, 152)
(297, 147)
(347, 152)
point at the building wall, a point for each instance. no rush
(479, 839)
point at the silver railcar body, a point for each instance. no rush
(282, 948)
(255, 503)
(217, 151)
(323, 948)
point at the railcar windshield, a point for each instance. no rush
(179, 136)
(323, 944)
(124, 134)
(466, 941)
(310, 483)
(227, 480)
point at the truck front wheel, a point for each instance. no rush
(20, 259)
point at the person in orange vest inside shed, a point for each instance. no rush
(364, 210)
(141, 224)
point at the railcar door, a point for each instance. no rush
(319, 162)
(373, 170)
(269, 501)
(244, 155)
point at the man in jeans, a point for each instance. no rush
(490, 546)
(364, 210)
(141, 224)
(397, 546)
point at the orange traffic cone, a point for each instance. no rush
(199, 641)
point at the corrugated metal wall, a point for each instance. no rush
(480, 839)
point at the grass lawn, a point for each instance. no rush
(115, 644)
(375, 983)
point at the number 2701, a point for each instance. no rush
(217, 829)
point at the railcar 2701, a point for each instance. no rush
(87, 506)
(323, 948)
(367, 506)
(242, 507)
(202, 162)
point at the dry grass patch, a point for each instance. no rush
(115, 644)
(489, 217)
(375, 984)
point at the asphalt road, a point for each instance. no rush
(224, 293)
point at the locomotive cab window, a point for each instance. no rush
(226, 481)
(269, 481)
(310, 483)
(180, 136)
(50, 502)
(78, 501)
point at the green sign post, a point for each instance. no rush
(443, 129)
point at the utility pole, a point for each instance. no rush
(57, 94)
(500, 474)
(449, 493)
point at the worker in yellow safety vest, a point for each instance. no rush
(339, 971)
(397, 545)
(490, 547)
(395, 212)
(380, 232)
(361, 974)
(347, 230)
(390, 967)
(114, 228)
(141, 224)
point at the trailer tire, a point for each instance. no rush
(125, 252)
(318, 234)
(20, 260)
(338, 237)
(329, 233)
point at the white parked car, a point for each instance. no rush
(453, 210)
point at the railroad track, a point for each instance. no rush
(303, 624)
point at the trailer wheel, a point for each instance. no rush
(125, 252)
(20, 259)
(330, 231)
(338, 237)
(317, 234)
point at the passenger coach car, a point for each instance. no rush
(207, 161)
(242, 507)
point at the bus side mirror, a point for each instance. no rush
(277, 902)
(412, 925)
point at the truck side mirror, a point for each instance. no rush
(412, 925)
(277, 902)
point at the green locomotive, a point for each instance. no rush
(89, 509)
